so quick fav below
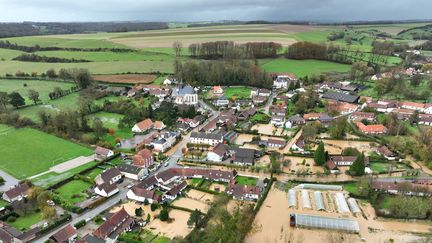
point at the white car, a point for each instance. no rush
(166, 164)
(130, 186)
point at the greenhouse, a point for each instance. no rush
(312, 221)
(353, 205)
(320, 187)
(305, 199)
(319, 202)
(292, 198)
(341, 203)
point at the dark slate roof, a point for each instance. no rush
(341, 97)
(131, 169)
(186, 90)
(243, 155)
(206, 135)
(109, 174)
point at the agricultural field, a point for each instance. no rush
(126, 78)
(6, 54)
(302, 68)
(41, 86)
(23, 147)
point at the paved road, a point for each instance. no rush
(9, 181)
(269, 102)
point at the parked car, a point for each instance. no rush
(130, 186)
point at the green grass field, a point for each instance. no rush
(26, 151)
(6, 54)
(67, 41)
(302, 68)
(111, 120)
(52, 178)
(93, 173)
(237, 92)
(43, 87)
(66, 102)
(72, 191)
(243, 180)
(25, 222)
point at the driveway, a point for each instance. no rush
(9, 181)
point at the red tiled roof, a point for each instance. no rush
(64, 234)
(376, 128)
(145, 124)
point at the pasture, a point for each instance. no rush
(302, 68)
(26, 151)
(41, 86)
(6, 54)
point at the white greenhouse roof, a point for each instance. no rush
(312, 221)
(305, 199)
(319, 202)
(353, 205)
(292, 198)
(341, 203)
(320, 187)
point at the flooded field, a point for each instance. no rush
(272, 225)
(271, 130)
(336, 146)
(300, 163)
(191, 204)
(176, 227)
(201, 196)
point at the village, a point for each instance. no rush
(316, 162)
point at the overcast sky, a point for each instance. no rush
(204, 10)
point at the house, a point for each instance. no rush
(106, 189)
(143, 126)
(246, 114)
(384, 151)
(217, 90)
(425, 120)
(401, 186)
(360, 116)
(325, 120)
(260, 92)
(206, 138)
(383, 106)
(243, 192)
(283, 81)
(428, 109)
(295, 120)
(299, 144)
(132, 171)
(335, 161)
(412, 106)
(110, 176)
(346, 108)
(376, 129)
(103, 153)
(118, 223)
(221, 101)
(16, 193)
(257, 100)
(218, 153)
(230, 136)
(312, 116)
(380, 76)
(278, 111)
(338, 96)
(278, 120)
(159, 125)
(175, 191)
(243, 156)
(67, 234)
(140, 194)
(165, 141)
(185, 95)
(9, 233)
(144, 158)
(275, 143)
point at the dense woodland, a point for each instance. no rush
(205, 73)
(230, 50)
(41, 28)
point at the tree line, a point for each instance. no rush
(388, 47)
(52, 28)
(205, 73)
(14, 46)
(230, 50)
(36, 58)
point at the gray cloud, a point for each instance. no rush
(201, 10)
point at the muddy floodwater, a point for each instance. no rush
(272, 225)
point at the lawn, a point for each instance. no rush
(260, 118)
(239, 93)
(302, 68)
(23, 87)
(111, 120)
(384, 167)
(72, 191)
(244, 180)
(26, 151)
(3, 203)
(52, 178)
(26, 221)
(93, 173)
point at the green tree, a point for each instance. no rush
(338, 128)
(320, 155)
(138, 212)
(98, 128)
(51, 73)
(82, 78)
(148, 217)
(358, 167)
(4, 100)
(194, 218)
(16, 100)
(34, 96)
(416, 79)
(164, 214)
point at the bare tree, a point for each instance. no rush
(177, 46)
